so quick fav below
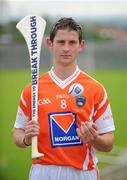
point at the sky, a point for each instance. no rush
(77, 8)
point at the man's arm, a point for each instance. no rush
(104, 142)
(18, 135)
(89, 134)
(23, 137)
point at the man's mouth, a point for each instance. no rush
(66, 55)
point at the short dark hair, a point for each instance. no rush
(66, 23)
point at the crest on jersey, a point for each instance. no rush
(80, 101)
(63, 129)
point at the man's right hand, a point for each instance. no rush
(31, 129)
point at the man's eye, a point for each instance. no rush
(73, 42)
(61, 42)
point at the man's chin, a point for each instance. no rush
(66, 62)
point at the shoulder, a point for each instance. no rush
(93, 87)
(90, 81)
(44, 77)
(26, 92)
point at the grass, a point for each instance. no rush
(15, 162)
(115, 82)
(13, 159)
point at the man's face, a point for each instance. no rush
(66, 46)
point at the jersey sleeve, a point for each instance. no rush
(102, 112)
(23, 112)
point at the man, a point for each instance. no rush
(68, 132)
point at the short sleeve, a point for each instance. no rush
(102, 116)
(23, 112)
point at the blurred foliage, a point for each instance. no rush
(90, 29)
(2, 29)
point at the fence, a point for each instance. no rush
(110, 54)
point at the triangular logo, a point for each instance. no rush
(64, 122)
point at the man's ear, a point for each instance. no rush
(82, 45)
(49, 42)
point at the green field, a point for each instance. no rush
(15, 162)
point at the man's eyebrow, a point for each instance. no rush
(73, 41)
(60, 40)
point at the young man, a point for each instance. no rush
(69, 133)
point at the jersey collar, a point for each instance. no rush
(63, 83)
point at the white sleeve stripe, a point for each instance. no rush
(91, 114)
(23, 101)
(102, 103)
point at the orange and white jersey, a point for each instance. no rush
(59, 117)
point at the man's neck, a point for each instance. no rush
(64, 72)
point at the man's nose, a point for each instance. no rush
(66, 47)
